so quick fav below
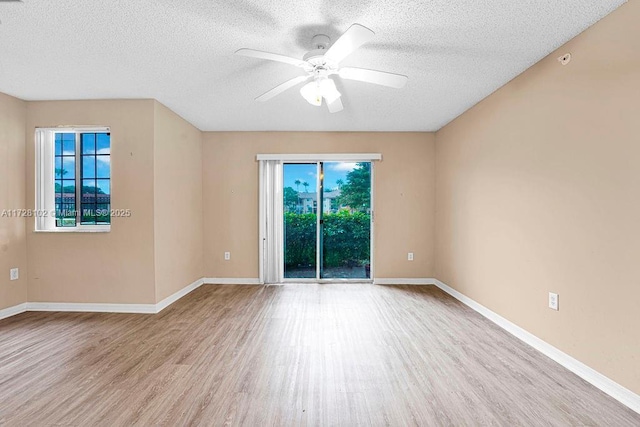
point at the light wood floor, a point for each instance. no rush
(288, 355)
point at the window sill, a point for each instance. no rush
(97, 229)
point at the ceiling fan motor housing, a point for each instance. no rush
(320, 41)
(316, 56)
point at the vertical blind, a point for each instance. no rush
(271, 208)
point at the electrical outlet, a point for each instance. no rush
(14, 274)
(410, 256)
(227, 256)
(553, 301)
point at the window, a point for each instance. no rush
(73, 185)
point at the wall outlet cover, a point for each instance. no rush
(14, 274)
(553, 301)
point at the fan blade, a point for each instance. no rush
(335, 106)
(372, 76)
(270, 56)
(353, 38)
(281, 88)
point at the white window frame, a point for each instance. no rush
(45, 218)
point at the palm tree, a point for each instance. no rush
(305, 185)
(339, 183)
(297, 183)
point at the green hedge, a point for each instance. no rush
(345, 239)
(300, 239)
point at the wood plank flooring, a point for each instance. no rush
(337, 354)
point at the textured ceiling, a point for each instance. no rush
(455, 52)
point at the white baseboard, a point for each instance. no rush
(122, 308)
(231, 281)
(404, 281)
(101, 307)
(12, 311)
(607, 385)
(176, 296)
(92, 307)
(378, 281)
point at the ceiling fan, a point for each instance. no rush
(323, 62)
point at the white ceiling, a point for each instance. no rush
(455, 52)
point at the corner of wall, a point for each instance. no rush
(178, 216)
(13, 240)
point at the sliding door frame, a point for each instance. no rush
(315, 159)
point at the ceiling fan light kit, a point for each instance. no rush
(312, 93)
(322, 62)
(322, 87)
(329, 90)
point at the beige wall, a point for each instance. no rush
(403, 196)
(114, 267)
(538, 190)
(13, 241)
(177, 202)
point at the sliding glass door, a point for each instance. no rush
(300, 220)
(346, 220)
(327, 220)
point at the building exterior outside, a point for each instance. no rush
(308, 202)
